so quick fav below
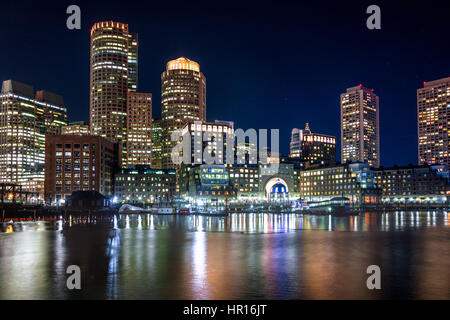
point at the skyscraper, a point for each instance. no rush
(113, 72)
(312, 148)
(183, 99)
(139, 129)
(132, 61)
(360, 129)
(109, 79)
(317, 149)
(25, 118)
(79, 128)
(118, 111)
(156, 143)
(295, 146)
(433, 119)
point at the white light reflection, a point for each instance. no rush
(199, 265)
(139, 222)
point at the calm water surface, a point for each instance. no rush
(253, 256)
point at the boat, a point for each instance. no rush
(338, 206)
(184, 212)
(165, 210)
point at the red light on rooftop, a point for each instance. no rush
(360, 85)
(424, 83)
(371, 90)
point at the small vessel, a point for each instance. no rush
(338, 206)
(184, 212)
(165, 210)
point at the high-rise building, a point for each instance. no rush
(139, 129)
(318, 149)
(109, 79)
(183, 99)
(433, 122)
(215, 145)
(156, 144)
(79, 163)
(25, 118)
(295, 146)
(79, 128)
(312, 148)
(360, 126)
(133, 62)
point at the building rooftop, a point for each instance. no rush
(436, 82)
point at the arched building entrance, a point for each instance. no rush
(277, 190)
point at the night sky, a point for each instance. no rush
(267, 64)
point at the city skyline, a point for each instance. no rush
(258, 83)
(215, 152)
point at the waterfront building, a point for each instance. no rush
(183, 99)
(206, 185)
(79, 128)
(245, 180)
(26, 117)
(139, 129)
(156, 162)
(360, 126)
(354, 181)
(142, 186)
(414, 184)
(239, 183)
(75, 163)
(433, 122)
(281, 186)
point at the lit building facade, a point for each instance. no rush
(238, 183)
(206, 185)
(79, 163)
(312, 149)
(282, 186)
(25, 118)
(109, 80)
(433, 114)
(317, 149)
(156, 144)
(79, 128)
(132, 62)
(354, 181)
(245, 180)
(139, 129)
(295, 146)
(215, 132)
(360, 126)
(414, 184)
(143, 186)
(183, 99)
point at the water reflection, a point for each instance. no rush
(238, 257)
(271, 223)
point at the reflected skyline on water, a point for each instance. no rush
(244, 256)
